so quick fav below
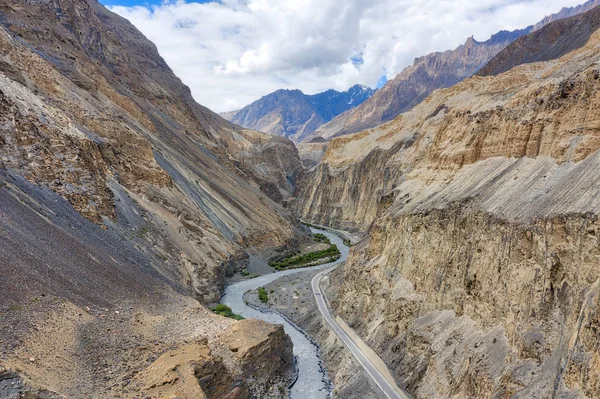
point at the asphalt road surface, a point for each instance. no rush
(389, 388)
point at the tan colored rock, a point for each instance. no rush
(479, 277)
(189, 372)
(263, 349)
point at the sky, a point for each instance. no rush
(232, 52)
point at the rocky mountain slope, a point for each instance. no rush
(550, 42)
(428, 73)
(295, 115)
(85, 313)
(90, 109)
(479, 276)
(123, 201)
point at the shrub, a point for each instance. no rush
(224, 310)
(299, 260)
(262, 295)
(245, 273)
(318, 237)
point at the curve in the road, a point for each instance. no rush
(312, 382)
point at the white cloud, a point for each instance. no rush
(232, 52)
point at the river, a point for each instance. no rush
(312, 380)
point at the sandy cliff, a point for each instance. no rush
(479, 276)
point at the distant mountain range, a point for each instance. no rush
(295, 115)
(320, 117)
(431, 72)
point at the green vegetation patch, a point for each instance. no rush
(225, 310)
(298, 261)
(245, 273)
(262, 295)
(318, 237)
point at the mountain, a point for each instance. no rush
(429, 73)
(550, 42)
(478, 276)
(295, 115)
(125, 205)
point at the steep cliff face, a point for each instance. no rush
(122, 203)
(86, 312)
(479, 277)
(428, 73)
(90, 109)
(295, 115)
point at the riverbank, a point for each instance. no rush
(292, 297)
(313, 381)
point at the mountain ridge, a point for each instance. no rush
(295, 115)
(430, 72)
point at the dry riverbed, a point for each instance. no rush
(292, 297)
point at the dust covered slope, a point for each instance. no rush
(479, 277)
(84, 313)
(89, 108)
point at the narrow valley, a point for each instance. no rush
(431, 232)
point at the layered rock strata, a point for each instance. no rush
(89, 108)
(479, 277)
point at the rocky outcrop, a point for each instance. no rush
(262, 355)
(428, 73)
(264, 350)
(90, 109)
(478, 278)
(295, 115)
(311, 154)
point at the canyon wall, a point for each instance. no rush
(90, 109)
(123, 203)
(479, 275)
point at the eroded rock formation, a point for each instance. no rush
(90, 109)
(479, 276)
(122, 204)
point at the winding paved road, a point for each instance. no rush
(389, 388)
(312, 381)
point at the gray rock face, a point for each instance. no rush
(295, 115)
(101, 117)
